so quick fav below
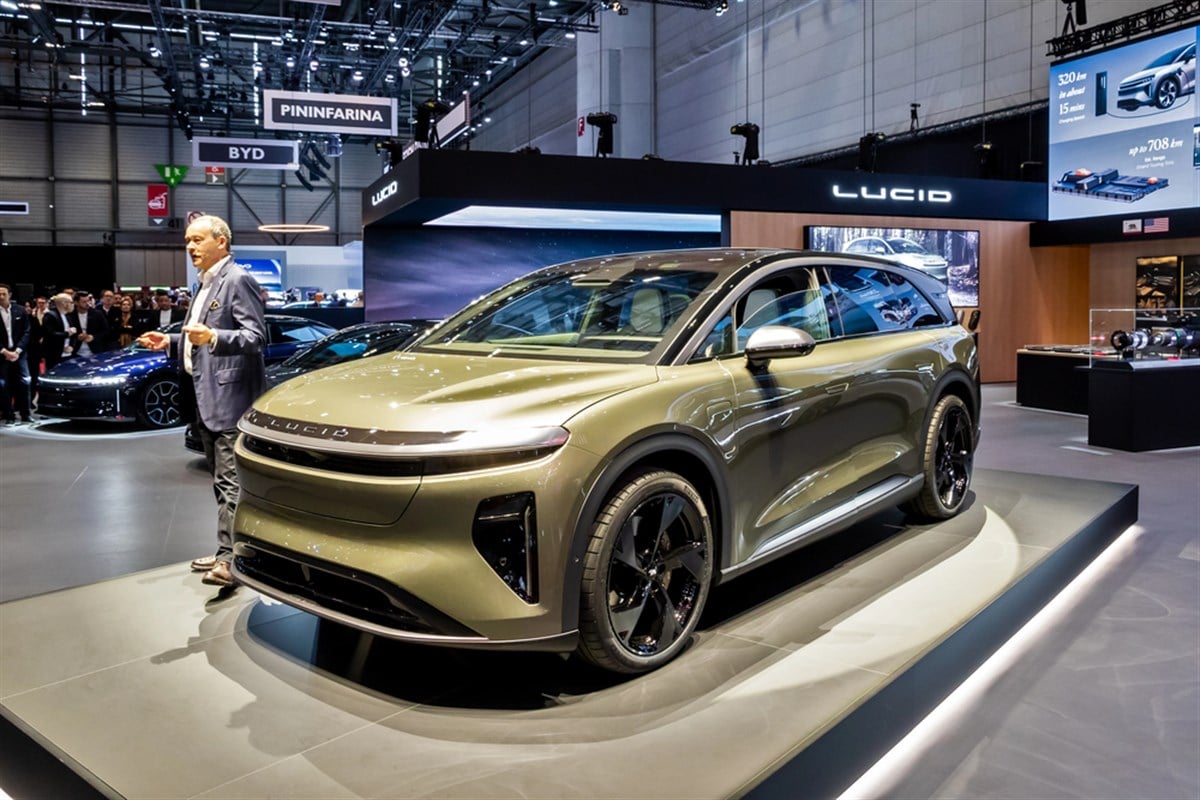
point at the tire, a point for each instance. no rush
(646, 574)
(946, 461)
(1166, 93)
(158, 406)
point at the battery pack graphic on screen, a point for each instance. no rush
(1107, 184)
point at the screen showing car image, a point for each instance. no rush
(1123, 130)
(430, 272)
(948, 255)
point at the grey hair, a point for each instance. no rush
(218, 227)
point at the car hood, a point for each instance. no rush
(127, 361)
(442, 393)
(1142, 75)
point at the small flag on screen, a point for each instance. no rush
(1131, 226)
(1156, 225)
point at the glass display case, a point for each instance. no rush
(1165, 335)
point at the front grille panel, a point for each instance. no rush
(344, 591)
(313, 459)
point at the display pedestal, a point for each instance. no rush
(155, 685)
(1053, 380)
(1143, 405)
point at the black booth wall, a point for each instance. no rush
(33, 270)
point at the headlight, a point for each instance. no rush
(105, 380)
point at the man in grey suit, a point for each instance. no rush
(221, 348)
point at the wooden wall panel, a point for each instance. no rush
(1025, 296)
(1113, 267)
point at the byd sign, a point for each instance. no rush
(902, 194)
(245, 153)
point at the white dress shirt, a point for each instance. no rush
(207, 279)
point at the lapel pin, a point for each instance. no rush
(213, 305)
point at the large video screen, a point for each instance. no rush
(1124, 130)
(430, 272)
(950, 256)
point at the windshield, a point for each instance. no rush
(1167, 58)
(905, 246)
(353, 344)
(605, 313)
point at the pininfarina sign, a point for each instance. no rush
(330, 113)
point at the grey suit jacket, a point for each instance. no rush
(229, 376)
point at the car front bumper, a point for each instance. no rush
(80, 401)
(401, 556)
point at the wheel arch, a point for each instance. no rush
(671, 448)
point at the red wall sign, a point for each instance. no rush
(157, 201)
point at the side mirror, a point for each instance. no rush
(777, 341)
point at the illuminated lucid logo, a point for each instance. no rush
(384, 193)
(902, 194)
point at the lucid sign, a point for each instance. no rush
(332, 113)
(245, 153)
(900, 194)
(384, 193)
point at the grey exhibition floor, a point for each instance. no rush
(1104, 704)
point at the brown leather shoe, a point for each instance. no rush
(219, 575)
(204, 563)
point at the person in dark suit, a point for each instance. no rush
(90, 324)
(163, 313)
(14, 369)
(56, 330)
(33, 355)
(221, 349)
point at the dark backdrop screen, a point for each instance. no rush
(432, 272)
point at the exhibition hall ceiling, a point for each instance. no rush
(203, 64)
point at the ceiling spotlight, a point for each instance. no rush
(391, 37)
(570, 34)
(210, 36)
(154, 51)
(722, 7)
(314, 64)
(357, 75)
(403, 62)
(291, 62)
(204, 62)
(475, 82)
(405, 72)
(389, 77)
(277, 42)
(524, 43)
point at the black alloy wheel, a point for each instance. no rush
(160, 403)
(948, 458)
(646, 574)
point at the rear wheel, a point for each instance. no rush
(646, 573)
(159, 406)
(947, 461)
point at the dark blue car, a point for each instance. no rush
(143, 385)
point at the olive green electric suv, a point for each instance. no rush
(573, 461)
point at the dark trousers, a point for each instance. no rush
(218, 452)
(14, 387)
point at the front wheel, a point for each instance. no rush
(646, 574)
(159, 406)
(947, 460)
(1167, 92)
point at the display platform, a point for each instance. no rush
(152, 685)
(1140, 405)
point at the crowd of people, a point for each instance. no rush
(48, 330)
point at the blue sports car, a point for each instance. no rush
(134, 383)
